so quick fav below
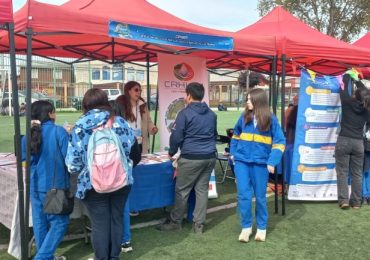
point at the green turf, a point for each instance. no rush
(225, 120)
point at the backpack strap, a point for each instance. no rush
(109, 123)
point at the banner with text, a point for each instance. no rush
(313, 174)
(174, 73)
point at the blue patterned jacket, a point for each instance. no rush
(76, 158)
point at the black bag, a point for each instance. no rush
(58, 201)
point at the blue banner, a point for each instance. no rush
(313, 175)
(160, 36)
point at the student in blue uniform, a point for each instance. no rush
(49, 144)
(256, 147)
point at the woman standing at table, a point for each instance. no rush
(105, 209)
(136, 112)
(48, 149)
(257, 146)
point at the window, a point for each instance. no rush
(35, 73)
(140, 75)
(117, 72)
(106, 73)
(130, 73)
(95, 74)
(114, 92)
(58, 74)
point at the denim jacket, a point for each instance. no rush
(76, 159)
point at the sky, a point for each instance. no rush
(228, 15)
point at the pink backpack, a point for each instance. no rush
(106, 160)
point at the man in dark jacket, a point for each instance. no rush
(194, 133)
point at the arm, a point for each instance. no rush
(344, 95)
(152, 129)
(75, 152)
(278, 143)
(216, 133)
(63, 141)
(177, 133)
(236, 136)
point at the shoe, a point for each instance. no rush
(356, 207)
(61, 257)
(260, 235)
(245, 234)
(126, 247)
(344, 206)
(134, 213)
(198, 228)
(169, 225)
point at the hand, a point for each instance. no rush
(171, 158)
(271, 169)
(154, 130)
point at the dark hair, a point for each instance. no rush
(115, 107)
(40, 111)
(362, 94)
(195, 90)
(95, 98)
(125, 102)
(261, 109)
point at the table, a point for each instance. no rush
(154, 187)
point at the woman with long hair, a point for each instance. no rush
(136, 112)
(256, 147)
(48, 150)
(349, 150)
(105, 209)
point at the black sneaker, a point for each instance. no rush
(169, 225)
(126, 247)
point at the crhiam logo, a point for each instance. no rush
(183, 71)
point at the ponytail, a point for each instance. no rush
(36, 137)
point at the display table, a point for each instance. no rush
(154, 187)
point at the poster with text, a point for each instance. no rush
(313, 175)
(174, 73)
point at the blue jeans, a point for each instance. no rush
(252, 177)
(366, 180)
(48, 229)
(126, 233)
(105, 210)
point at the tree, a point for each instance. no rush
(342, 19)
(255, 79)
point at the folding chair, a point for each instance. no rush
(223, 158)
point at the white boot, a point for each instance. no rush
(260, 235)
(245, 234)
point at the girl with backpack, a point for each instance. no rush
(102, 151)
(48, 150)
(257, 146)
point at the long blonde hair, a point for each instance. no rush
(261, 109)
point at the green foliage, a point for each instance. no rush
(342, 19)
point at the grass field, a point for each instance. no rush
(225, 120)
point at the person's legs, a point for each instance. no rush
(356, 166)
(342, 157)
(58, 225)
(126, 233)
(39, 219)
(259, 177)
(244, 193)
(201, 192)
(366, 180)
(99, 208)
(185, 180)
(117, 200)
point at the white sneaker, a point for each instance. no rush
(260, 235)
(245, 234)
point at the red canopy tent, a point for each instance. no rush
(6, 11)
(365, 43)
(79, 29)
(303, 45)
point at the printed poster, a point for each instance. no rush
(313, 175)
(174, 73)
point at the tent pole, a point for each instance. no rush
(28, 129)
(273, 99)
(283, 71)
(17, 141)
(148, 95)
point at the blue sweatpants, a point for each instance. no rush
(48, 229)
(126, 233)
(252, 177)
(366, 180)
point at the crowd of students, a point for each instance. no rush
(257, 146)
